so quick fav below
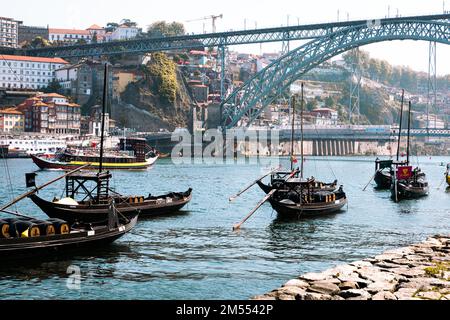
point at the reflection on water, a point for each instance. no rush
(196, 255)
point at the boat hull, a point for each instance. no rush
(405, 192)
(41, 247)
(45, 164)
(383, 180)
(99, 212)
(307, 210)
(448, 180)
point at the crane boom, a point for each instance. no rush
(212, 17)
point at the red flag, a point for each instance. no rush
(404, 172)
(294, 159)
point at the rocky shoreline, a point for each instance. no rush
(417, 272)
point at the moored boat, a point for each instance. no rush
(408, 182)
(447, 174)
(134, 154)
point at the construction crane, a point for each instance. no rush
(212, 17)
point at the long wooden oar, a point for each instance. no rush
(251, 185)
(267, 197)
(29, 193)
(445, 179)
(16, 214)
(370, 181)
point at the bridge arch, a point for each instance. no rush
(258, 92)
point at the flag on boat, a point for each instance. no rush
(294, 159)
(404, 172)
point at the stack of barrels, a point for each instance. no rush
(32, 228)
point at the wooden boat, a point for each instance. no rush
(26, 236)
(290, 195)
(280, 178)
(408, 182)
(384, 169)
(305, 199)
(79, 236)
(94, 205)
(142, 157)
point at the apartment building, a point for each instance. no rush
(9, 32)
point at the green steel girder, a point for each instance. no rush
(247, 102)
(300, 32)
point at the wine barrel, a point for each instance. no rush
(24, 229)
(4, 229)
(46, 228)
(61, 226)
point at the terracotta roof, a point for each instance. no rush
(52, 95)
(69, 31)
(40, 104)
(11, 111)
(74, 105)
(33, 59)
(94, 27)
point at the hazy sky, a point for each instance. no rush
(236, 14)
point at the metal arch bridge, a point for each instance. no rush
(247, 102)
(221, 39)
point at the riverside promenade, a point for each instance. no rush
(417, 272)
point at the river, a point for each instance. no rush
(196, 255)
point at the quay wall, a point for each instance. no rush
(417, 272)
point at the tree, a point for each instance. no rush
(54, 87)
(163, 29)
(111, 26)
(128, 23)
(39, 42)
(95, 37)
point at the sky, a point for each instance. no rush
(238, 14)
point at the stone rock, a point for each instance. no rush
(429, 295)
(354, 277)
(296, 283)
(315, 276)
(291, 290)
(355, 293)
(375, 275)
(349, 285)
(381, 286)
(388, 256)
(409, 272)
(339, 298)
(417, 284)
(440, 283)
(386, 265)
(263, 298)
(314, 296)
(405, 293)
(285, 297)
(324, 287)
(384, 295)
(401, 251)
(446, 297)
(341, 270)
(361, 263)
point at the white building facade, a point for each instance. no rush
(22, 72)
(69, 35)
(9, 32)
(123, 33)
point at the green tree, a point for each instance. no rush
(39, 42)
(164, 73)
(111, 26)
(163, 29)
(128, 23)
(54, 87)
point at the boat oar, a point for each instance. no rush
(16, 214)
(29, 193)
(249, 186)
(370, 181)
(445, 179)
(267, 197)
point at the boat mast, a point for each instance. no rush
(400, 126)
(301, 126)
(409, 130)
(105, 97)
(293, 132)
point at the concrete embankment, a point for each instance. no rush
(417, 272)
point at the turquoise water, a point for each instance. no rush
(196, 255)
